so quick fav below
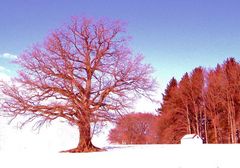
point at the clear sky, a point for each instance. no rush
(175, 36)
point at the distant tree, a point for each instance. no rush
(232, 76)
(196, 97)
(184, 106)
(214, 104)
(223, 102)
(169, 129)
(84, 73)
(136, 128)
(168, 93)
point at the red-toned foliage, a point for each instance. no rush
(84, 73)
(136, 128)
(206, 103)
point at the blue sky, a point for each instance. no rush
(175, 36)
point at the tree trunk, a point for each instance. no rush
(84, 144)
(205, 124)
(215, 131)
(196, 118)
(230, 120)
(234, 121)
(188, 121)
(215, 121)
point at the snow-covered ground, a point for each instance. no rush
(124, 156)
(23, 148)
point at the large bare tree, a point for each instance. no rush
(84, 72)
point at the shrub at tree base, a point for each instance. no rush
(136, 128)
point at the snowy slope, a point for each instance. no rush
(161, 156)
(23, 148)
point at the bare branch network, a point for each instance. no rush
(83, 73)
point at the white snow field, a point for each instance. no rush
(25, 149)
(132, 156)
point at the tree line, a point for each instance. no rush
(204, 102)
